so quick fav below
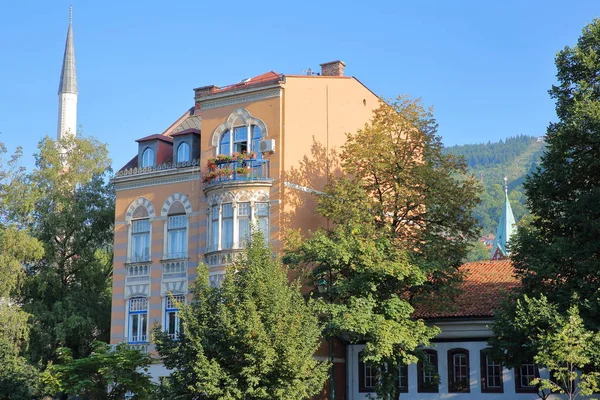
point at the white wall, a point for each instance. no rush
(442, 348)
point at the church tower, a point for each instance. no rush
(67, 89)
(506, 227)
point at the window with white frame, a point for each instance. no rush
(524, 374)
(172, 321)
(214, 228)
(183, 152)
(243, 223)
(138, 320)
(427, 372)
(240, 140)
(148, 158)
(227, 226)
(458, 368)
(176, 231)
(140, 235)
(491, 374)
(403, 378)
(223, 217)
(367, 375)
(262, 219)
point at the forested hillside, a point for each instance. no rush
(514, 158)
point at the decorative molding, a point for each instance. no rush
(142, 289)
(260, 195)
(239, 114)
(267, 94)
(302, 188)
(177, 197)
(155, 182)
(155, 168)
(174, 287)
(140, 201)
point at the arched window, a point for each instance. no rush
(427, 372)
(458, 371)
(176, 231)
(148, 158)
(140, 235)
(183, 152)
(224, 143)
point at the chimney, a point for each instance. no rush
(333, 68)
(200, 93)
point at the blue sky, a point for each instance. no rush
(484, 66)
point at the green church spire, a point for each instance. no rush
(506, 227)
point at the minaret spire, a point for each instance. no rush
(506, 227)
(67, 89)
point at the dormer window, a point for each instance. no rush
(183, 152)
(148, 158)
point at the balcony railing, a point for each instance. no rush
(157, 168)
(237, 170)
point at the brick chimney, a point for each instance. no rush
(333, 68)
(201, 92)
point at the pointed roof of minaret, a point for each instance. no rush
(506, 227)
(68, 78)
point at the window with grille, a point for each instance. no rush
(524, 374)
(403, 378)
(177, 236)
(427, 372)
(458, 370)
(138, 320)
(367, 375)
(140, 240)
(491, 374)
(172, 315)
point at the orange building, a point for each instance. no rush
(176, 206)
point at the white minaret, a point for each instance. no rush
(67, 89)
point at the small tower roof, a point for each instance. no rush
(506, 227)
(68, 77)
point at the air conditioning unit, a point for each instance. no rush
(267, 146)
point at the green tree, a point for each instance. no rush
(106, 374)
(532, 328)
(478, 252)
(568, 351)
(255, 337)
(558, 252)
(401, 225)
(67, 206)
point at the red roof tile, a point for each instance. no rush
(262, 79)
(185, 132)
(481, 292)
(156, 136)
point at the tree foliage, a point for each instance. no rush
(255, 337)
(532, 328)
(106, 374)
(401, 224)
(558, 252)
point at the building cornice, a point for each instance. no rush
(243, 96)
(155, 178)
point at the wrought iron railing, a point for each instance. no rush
(156, 168)
(237, 170)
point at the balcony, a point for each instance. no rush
(236, 171)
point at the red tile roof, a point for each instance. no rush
(156, 136)
(185, 132)
(484, 286)
(259, 80)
